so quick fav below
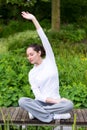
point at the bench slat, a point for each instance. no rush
(4, 114)
(11, 111)
(84, 113)
(17, 115)
(80, 116)
(14, 116)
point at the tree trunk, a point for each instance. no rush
(55, 15)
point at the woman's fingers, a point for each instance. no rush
(27, 15)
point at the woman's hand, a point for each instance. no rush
(51, 100)
(31, 17)
(27, 15)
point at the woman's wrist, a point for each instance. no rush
(51, 100)
(36, 23)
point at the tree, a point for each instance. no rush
(55, 15)
(22, 2)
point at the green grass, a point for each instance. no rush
(16, 41)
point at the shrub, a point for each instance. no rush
(72, 34)
(68, 33)
(14, 79)
(14, 26)
(72, 69)
(77, 92)
(70, 58)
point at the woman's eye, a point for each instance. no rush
(31, 54)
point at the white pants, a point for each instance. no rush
(44, 111)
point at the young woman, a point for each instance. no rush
(43, 77)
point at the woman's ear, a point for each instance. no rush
(39, 53)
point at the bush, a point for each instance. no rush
(13, 27)
(14, 79)
(71, 11)
(77, 92)
(69, 33)
(72, 69)
(70, 58)
(73, 35)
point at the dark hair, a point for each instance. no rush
(38, 48)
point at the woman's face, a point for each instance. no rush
(33, 56)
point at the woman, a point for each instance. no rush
(43, 77)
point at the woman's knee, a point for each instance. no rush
(21, 101)
(24, 100)
(70, 105)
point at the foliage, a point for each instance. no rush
(70, 33)
(77, 92)
(74, 124)
(72, 66)
(15, 26)
(82, 128)
(14, 79)
(71, 59)
(39, 8)
(23, 2)
(72, 69)
(40, 128)
(71, 11)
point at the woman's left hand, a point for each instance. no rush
(51, 100)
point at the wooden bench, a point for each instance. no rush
(18, 116)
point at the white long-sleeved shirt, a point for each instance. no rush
(44, 77)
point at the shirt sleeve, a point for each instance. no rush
(46, 45)
(35, 88)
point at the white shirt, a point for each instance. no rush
(44, 77)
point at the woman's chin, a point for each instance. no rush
(31, 62)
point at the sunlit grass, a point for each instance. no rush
(18, 39)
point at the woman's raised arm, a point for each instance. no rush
(31, 17)
(43, 37)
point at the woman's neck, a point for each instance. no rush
(39, 62)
